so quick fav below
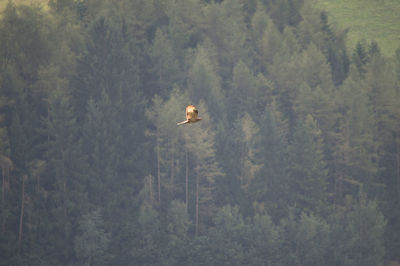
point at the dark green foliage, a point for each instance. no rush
(360, 57)
(307, 169)
(296, 160)
(357, 234)
(305, 240)
(92, 242)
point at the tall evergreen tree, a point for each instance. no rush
(90, 246)
(270, 184)
(64, 174)
(200, 143)
(307, 168)
(305, 239)
(165, 65)
(358, 236)
(205, 84)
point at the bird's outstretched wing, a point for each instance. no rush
(183, 122)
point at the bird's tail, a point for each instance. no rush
(183, 122)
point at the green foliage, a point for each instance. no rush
(295, 160)
(264, 241)
(309, 240)
(227, 239)
(166, 68)
(148, 249)
(205, 84)
(307, 169)
(352, 244)
(91, 244)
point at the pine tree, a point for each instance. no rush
(225, 27)
(148, 247)
(305, 240)
(200, 143)
(101, 141)
(109, 63)
(359, 234)
(356, 149)
(360, 57)
(248, 139)
(228, 240)
(91, 244)
(269, 45)
(64, 172)
(381, 84)
(178, 224)
(165, 66)
(163, 116)
(205, 84)
(264, 245)
(271, 183)
(307, 168)
(248, 91)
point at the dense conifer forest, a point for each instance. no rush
(296, 160)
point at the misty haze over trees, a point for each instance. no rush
(296, 160)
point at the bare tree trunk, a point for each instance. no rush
(242, 164)
(3, 186)
(64, 182)
(148, 186)
(65, 196)
(21, 217)
(398, 166)
(186, 180)
(197, 199)
(3, 191)
(172, 163)
(8, 187)
(158, 167)
(38, 183)
(151, 190)
(336, 184)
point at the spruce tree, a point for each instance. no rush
(307, 168)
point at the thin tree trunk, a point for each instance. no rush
(21, 217)
(65, 196)
(38, 183)
(158, 167)
(197, 199)
(151, 189)
(172, 163)
(186, 180)
(8, 186)
(398, 166)
(242, 164)
(158, 156)
(64, 182)
(3, 190)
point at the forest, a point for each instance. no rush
(296, 160)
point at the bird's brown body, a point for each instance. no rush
(191, 115)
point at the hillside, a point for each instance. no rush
(377, 20)
(295, 160)
(42, 3)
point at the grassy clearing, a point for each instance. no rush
(42, 3)
(377, 20)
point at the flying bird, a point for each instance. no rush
(191, 115)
